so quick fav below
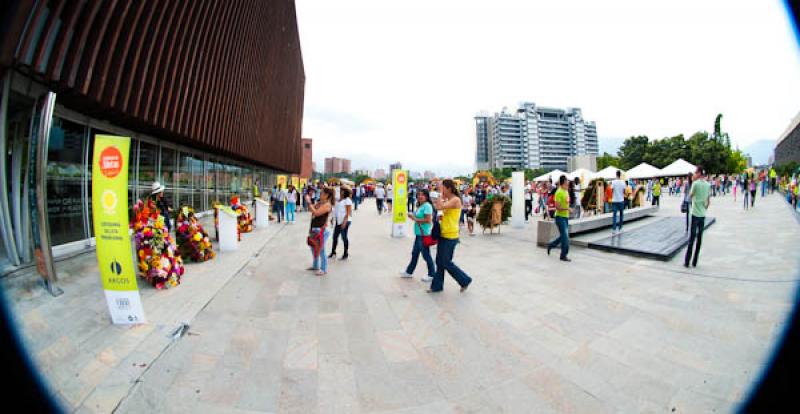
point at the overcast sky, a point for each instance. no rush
(402, 80)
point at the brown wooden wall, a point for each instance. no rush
(223, 75)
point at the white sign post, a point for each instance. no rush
(262, 213)
(518, 200)
(228, 236)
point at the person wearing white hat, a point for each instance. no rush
(164, 209)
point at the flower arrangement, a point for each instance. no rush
(245, 219)
(484, 214)
(193, 241)
(155, 249)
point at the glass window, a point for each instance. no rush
(184, 180)
(198, 187)
(65, 175)
(148, 161)
(167, 174)
(211, 183)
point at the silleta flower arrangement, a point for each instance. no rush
(193, 241)
(245, 219)
(155, 249)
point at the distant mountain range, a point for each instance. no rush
(760, 150)
(610, 145)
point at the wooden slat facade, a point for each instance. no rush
(222, 75)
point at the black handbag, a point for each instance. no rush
(685, 207)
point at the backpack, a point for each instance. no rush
(436, 231)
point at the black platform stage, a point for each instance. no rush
(660, 239)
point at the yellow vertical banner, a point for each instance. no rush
(296, 181)
(110, 216)
(303, 182)
(400, 202)
(281, 181)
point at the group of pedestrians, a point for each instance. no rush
(441, 230)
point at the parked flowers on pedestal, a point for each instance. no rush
(244, 217)
(193, 242)
(156, 253)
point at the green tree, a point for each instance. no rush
(606, 160)
(633, 151)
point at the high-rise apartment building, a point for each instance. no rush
(335, 165)
(533, 137)
(380, 174)
(395, 166)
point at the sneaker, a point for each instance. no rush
(426, 279)
(405, 274)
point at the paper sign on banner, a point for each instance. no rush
(281, 181)
(110, 215)
(400, 204)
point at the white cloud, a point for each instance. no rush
(402, 80)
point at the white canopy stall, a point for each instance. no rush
(582, 173)
(608, 173)
(643, 170)
(679, 168)
(552, 175)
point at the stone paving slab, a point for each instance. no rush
(660, 239)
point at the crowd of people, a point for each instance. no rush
(441, 211)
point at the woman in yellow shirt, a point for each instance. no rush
(450, 206)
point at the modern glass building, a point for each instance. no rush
(210, 92)
(534, 137)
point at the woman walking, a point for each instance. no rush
(318, 231)
(450, 205)
(423, 225)
(342, 222)
(753, 190)
(686, 204)
(292, 197)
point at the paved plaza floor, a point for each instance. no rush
(532, 334)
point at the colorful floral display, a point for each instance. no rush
(159, 263)
(245, 219)
(193, 241)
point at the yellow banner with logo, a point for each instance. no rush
(282, 181)
(296, 181)
(303, 182)
(110, 215)
(400, 202)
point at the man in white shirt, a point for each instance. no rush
(617, 203)
(380, 193)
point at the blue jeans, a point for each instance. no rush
(280, 211)
(696, 233)
(764, 188)
(617, 206)
(444, 261)
(321, 262)
(563, 236)
(426, 254)
(290, 208)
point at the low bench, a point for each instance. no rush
(547, 230)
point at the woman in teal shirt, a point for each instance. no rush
(423, 224)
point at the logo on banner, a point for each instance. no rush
(110, 200)
(110, 162)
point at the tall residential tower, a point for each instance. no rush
(533, 137)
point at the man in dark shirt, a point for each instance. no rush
(162, 204)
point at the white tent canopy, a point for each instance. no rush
(582, 173)
(554, 175)
(608, 173)
(678, 168)
(643, 170)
